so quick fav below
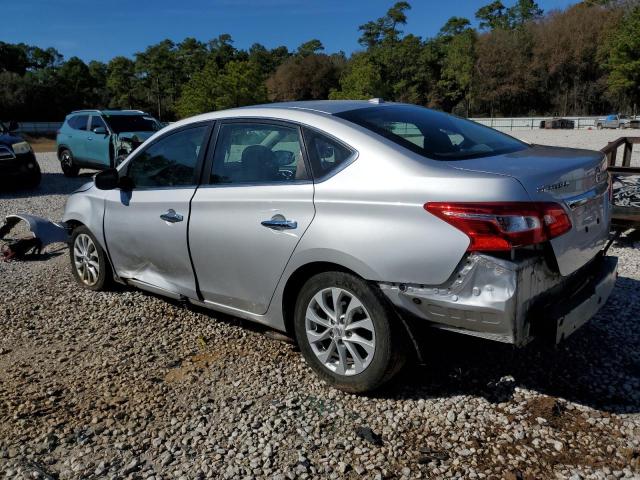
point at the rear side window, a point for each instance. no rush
(79, 122)
(433, 134)
(325, 153)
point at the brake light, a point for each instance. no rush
(503, 225)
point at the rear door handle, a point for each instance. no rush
(277, 224)
(171, 216)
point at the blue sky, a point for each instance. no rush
(100, 30)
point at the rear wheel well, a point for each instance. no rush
(295, 283)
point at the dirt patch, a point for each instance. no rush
(41, 144)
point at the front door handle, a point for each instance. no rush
(280, 224)
(171, 216)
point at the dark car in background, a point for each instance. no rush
(101, 139)
(18, 164)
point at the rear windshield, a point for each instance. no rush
(131, 123)
(433, 134)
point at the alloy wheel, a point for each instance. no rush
(86, 260)
(65, 160)
(340, 331)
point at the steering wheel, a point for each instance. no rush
(286, 174)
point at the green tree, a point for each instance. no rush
(522, 12)
(240, 84)
(623, 60)
(201, 92)
(121, 82)
(458, 64)
(454, 26)
(384, 28)
(360, 81)
(311, 47)
(159, 72)
(493, 15)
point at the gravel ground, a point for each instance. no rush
(129, 385)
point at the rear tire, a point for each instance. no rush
(89, 262)
(69, 168)
(357, 346)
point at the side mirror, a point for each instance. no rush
(126, 184)
(100, 131)
(107, 179)
(13, 126)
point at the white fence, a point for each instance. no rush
(531, 123)
(38, 128)
(505, 123)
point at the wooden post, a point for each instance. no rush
(612, 155)
(626, 158)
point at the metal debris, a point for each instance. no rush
(43, 232)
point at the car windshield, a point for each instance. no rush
(433, 134)
(131, 123)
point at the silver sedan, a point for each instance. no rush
(348, 224)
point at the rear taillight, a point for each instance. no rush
(503, 225)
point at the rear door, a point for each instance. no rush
(146, 228)
(251, 211)
(77, 136)
(97, 146)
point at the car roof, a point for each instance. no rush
(110, 112)
(323, 106)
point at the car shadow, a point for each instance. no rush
(51, 184)
(598, 366)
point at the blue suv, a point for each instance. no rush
(101, 139)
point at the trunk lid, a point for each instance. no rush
(577, 179)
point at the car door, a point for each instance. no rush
(248, 218)
(77, 137)
(97, 146)
(146, 228)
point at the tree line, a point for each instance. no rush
(519, 60)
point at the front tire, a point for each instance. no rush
(348, 333)
(89, 262)
(69, 168)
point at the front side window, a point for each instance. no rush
(325, 153)
(258, 153)
(79, 122)
(169, 162)
(96, 122)
(434, 135)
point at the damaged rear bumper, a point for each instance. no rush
(510, 301)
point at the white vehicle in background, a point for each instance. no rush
(613, 121)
